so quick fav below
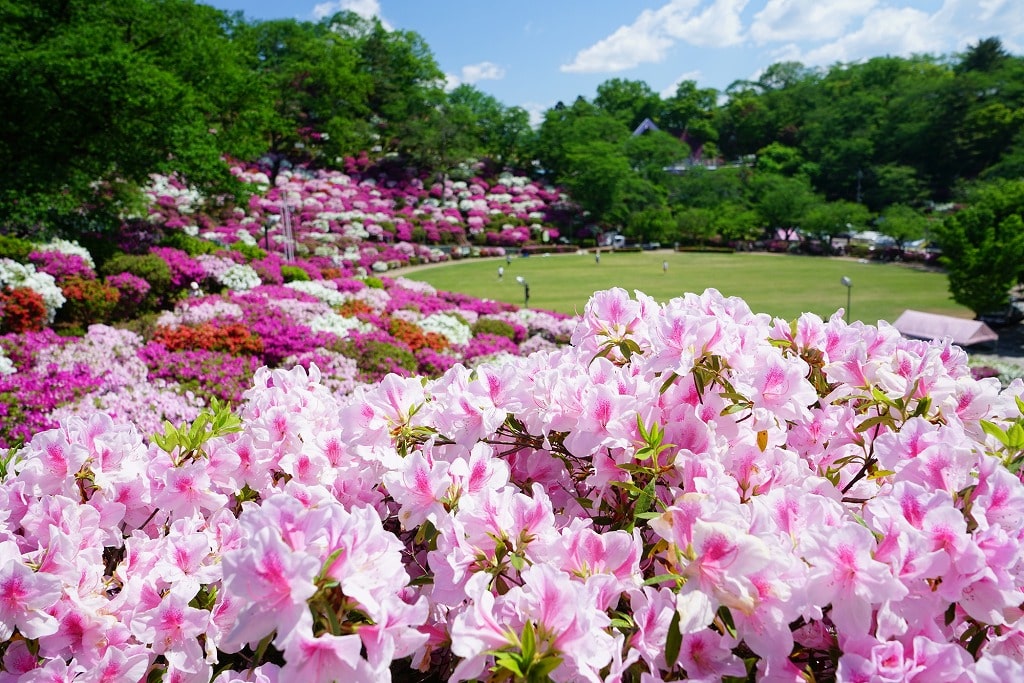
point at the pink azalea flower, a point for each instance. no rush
(273, 582)
(24, 596)
(326, 659)
(420, 488)
(844, 573)
(172, 625)
(707, 656)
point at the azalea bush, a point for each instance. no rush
(209, 345)
(687, 491)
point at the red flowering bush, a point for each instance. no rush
(21, 310)
(88, 301)
(413, 335)
(233, 338)
(355, 308)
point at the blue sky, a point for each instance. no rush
(533, 53)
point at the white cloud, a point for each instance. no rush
(965, 22)
(719, 25)
(895, 32)
(640, 42)
(806, 19)
(484, 71)
(819, 40)
(649, 38)
(451, 82)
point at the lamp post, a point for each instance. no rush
(526, 290)
(848, 283)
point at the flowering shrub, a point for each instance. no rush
(183, 268)
(415, 338)
(689, 491)
(62, 265)
(150, 268)
(14, 275)
(21, 310)
(132, 291)
(67, 248)
(206, 374)
(232, 338)
(239, 278)
(449, 327)
(88, 301)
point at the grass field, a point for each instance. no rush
(781, 285)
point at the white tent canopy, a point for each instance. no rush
(963, 332)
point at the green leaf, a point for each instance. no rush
(646, 499)
(872, 422)
(528, 642)
(1015, 437)
(542, 669)
(631, 488)
(510, 662)
(996, 431)
(673, 641)
(662, 578)
(726, 616)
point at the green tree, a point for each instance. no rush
(406, 84)
(597, 170)
(983, 246)
(695, 225)
(500, 133)
(903, 223)
(782, 202)
(651, 153)
(564, 127)
(779, 158)
(316, 99)
(94, 97)
(825, 220)
(629, 102)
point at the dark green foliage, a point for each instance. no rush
(983, 246)
(94, 97)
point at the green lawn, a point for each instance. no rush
(781, 285)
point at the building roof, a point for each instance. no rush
(645, 126)
(961, 331)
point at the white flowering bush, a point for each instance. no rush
(321, 289)
(14, 275)
(239, 278)
(453, 329)
(338, 325)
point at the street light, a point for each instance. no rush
(848, 283)
(526, 290)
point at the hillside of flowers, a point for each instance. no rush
(180, 306)
(685, 491)
(367, 216)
